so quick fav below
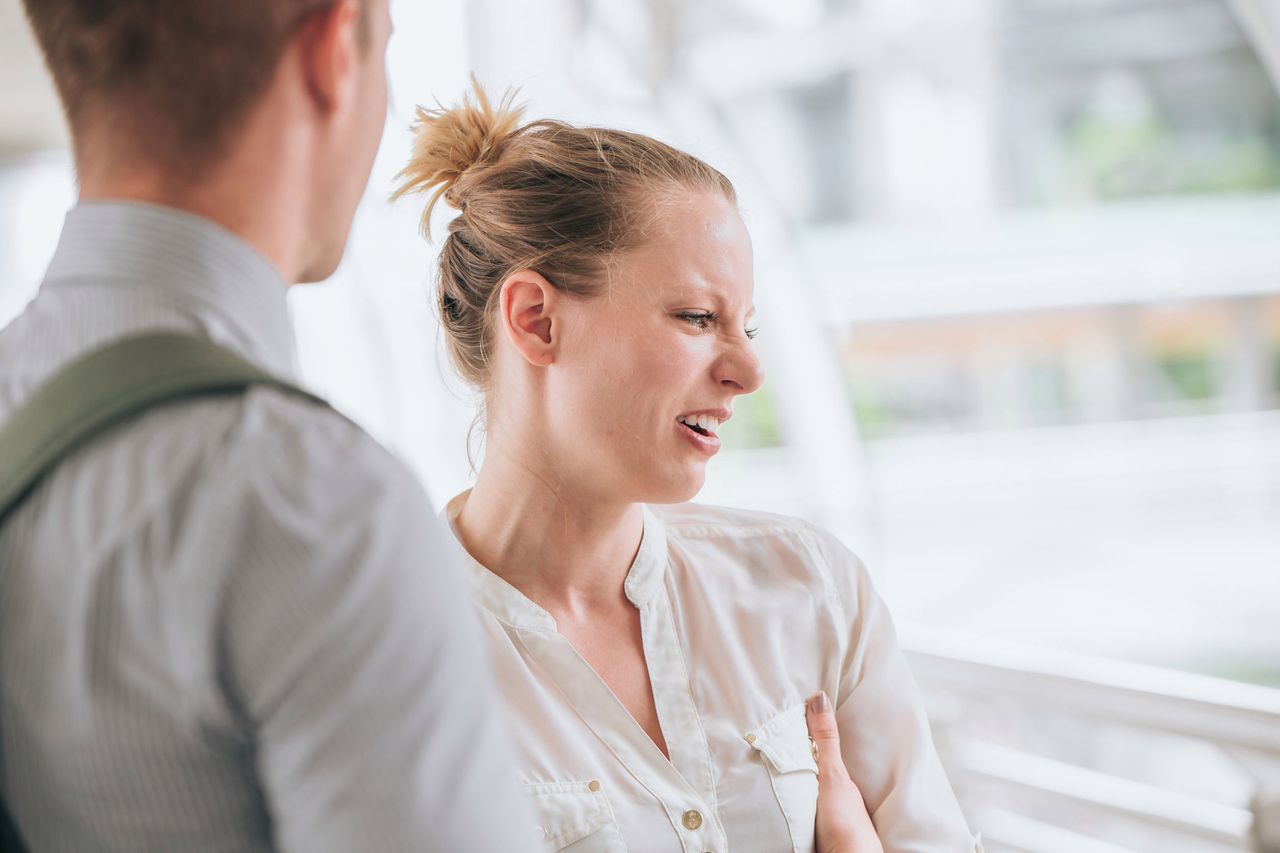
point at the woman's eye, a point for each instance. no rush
(703, 321)
(699, 319)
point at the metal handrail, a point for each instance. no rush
(1023, 833)
(1227, 713)
(1238, 718)
(1101, 792)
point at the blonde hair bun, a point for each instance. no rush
(447, 142)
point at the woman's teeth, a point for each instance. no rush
(705, 424)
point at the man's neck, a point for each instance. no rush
(248, 199)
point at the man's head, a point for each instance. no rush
(172, 87)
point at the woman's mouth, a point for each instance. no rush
(700, 430)
(701, 424)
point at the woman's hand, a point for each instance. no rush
(843, 825)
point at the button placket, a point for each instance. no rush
(686, 738)
(698, 830)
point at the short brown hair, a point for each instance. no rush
(189, 69)
(545, 196)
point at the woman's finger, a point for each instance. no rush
(825, 735)
(843, 824)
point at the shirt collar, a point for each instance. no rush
(650, 564)
(507, 604)
(189, 262)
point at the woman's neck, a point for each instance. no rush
(567, 550)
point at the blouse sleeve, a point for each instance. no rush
(884, 733)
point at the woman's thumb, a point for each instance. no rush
(825, 734)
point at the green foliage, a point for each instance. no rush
(754, 423)
(1236, 669)
(876, 417)
(1192, 375)
(1118, 158)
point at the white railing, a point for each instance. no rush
(1052, 752)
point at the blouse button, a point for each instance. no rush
(692, 819)
(751, 738)
(593, 786)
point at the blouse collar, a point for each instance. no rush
(510, 606)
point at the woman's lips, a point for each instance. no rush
(708, 444)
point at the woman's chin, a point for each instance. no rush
(677, 490)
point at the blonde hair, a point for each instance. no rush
(546, 196)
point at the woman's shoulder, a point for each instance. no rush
(764, 543)
(709, 521)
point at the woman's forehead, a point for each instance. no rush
(700, 251)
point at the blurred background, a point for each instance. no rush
(1018, 271)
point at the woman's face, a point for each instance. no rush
(647, 371)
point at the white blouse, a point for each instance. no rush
(743, 616)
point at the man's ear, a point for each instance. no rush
(526, 303)
(329, 48)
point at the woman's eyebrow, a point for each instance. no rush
(705, 292)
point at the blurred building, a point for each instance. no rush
(1044, 238)
(1018, 266)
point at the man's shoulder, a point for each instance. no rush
(280, 445)
(309, 445)
(284, 455)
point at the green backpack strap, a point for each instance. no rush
(98, 391)
(108, 386)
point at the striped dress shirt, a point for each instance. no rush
(231, 624)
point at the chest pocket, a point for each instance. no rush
(783, 745)
(575, 817)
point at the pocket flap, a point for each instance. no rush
(784, 741)
(569, 811)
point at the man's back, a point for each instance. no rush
(226, 625)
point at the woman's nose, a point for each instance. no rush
(740, 369)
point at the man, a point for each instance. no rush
(229, 624)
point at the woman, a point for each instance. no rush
(656, 655)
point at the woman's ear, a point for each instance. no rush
(526, 304)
